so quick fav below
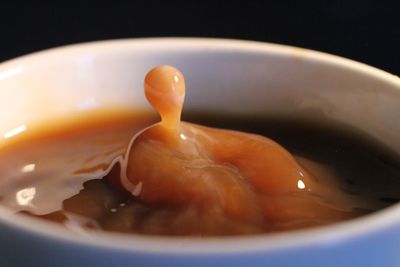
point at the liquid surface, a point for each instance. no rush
(43, 166)
(180, 178)
(368, 174)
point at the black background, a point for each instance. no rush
(367, 31)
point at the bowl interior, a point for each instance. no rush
(222, 76)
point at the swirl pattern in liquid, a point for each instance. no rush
(243, 177)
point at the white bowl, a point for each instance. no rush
(237, 77)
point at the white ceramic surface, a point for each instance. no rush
(237, 77)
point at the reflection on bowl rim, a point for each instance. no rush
(347, 230)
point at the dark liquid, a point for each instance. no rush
(362, 165)
(362, 168)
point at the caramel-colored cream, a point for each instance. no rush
(245, 177)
